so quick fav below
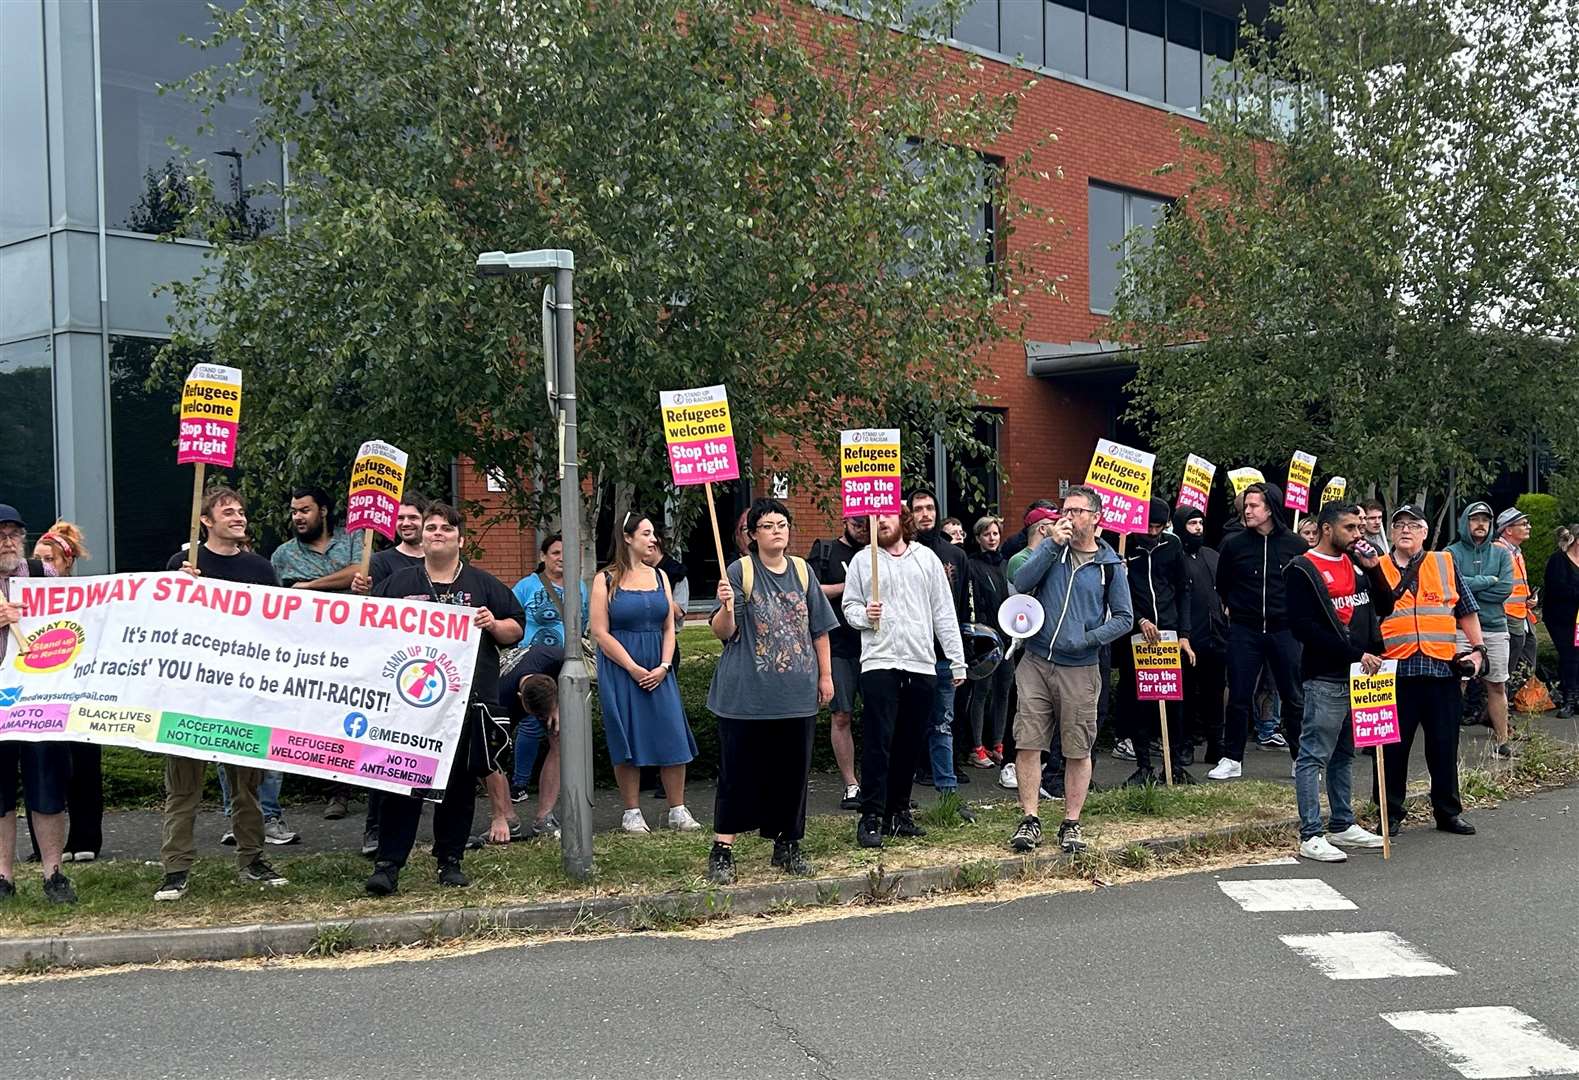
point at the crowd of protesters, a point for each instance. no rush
(1273, 613)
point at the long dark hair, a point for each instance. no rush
(621, 560)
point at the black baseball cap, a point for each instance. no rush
(9, 516)
(1409, 510)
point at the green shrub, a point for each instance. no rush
(1542, 511)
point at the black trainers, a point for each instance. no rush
(788, 857)
(869, 831)
(1181, 775)
(258, 872)
(904, 825)
(173, 887)
(1027, 835)
(370, 842)
(1141, 777)
(517, 794)
(58, 890)
(852, 797)
(384, 880)
(7, 888)
(721, 864)
(450, 874)
(1069, 840)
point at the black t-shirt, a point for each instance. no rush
(830, 561)
(390, 561)
(537, 660)
(247, 567)
(472, 588)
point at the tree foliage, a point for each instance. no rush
(1377, 257)
(766, 196)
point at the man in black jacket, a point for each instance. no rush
(1337, 598)
(1250, 582)
(1159, 587)
(1208, 677)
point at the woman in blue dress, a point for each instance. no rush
(643, 720)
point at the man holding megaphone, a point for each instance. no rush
(1080, 583)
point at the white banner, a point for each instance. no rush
(359, 689)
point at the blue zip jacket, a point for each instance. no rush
(1086, 608)
(1487, 569)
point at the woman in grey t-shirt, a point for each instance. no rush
(773, 677)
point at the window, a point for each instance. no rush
(979, 214)
(1218, 36)
(1105, 43)
(24, 150)
(1145, 48)
(978, 25)
(1184, 55)
(1120, 225)
(27, 431)
(144, 190)
(1020, 29)
(967, 481)
(1065, 22)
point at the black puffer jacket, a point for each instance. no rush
(1250, 568)
(1159, 583)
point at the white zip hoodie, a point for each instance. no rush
(918, 606)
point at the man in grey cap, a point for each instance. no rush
(45, 766)
(1488, 571)
(1513, 529)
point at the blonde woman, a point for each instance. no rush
(60, 548)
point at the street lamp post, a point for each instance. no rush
(575, 720)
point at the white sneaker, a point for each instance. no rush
(1227, 769)
(1124, 750)
(680, 819)
(1007, 779)
(1318, 849)
(275, 832)
(634, 822)
(1355, 837)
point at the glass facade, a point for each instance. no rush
(1119, 225)
(24, 164)
(27, 431)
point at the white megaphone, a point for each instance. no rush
(1020, 617)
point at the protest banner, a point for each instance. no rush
(1159, 677)
(360, 689)
(1122, 476)
(1296, 494)
(210, 415)
(1243, 478)
(701, 441)
(377, 480)
(869, 476)
(1373, 704)
(1196, 487)
(1336, 488)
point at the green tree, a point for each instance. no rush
(768, 196)
(1377, 256)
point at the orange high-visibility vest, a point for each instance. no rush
(1422, 620)
(1517, 605)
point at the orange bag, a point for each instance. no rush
(1532, 697)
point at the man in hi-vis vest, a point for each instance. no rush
(1431, 607)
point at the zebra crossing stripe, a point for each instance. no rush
(1286, 894)
(1368, 955)
(1489, 1042)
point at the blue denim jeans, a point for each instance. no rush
(268, 793)
(940, 733)
(529, 735)
(1326, 741)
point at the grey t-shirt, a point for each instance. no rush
(769, 669)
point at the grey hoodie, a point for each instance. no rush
(1487, 570)
(918, 608)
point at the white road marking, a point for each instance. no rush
(1489, 1043)
(1286, 894)
(1287, 860)
(1370, 955)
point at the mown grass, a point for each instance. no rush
(118, 894)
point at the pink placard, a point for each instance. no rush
(1376, 727)
(699, 434)
(34, 719)
(210, 414)
(703, 461)
(1158, 684)
(1123, 513)
(398, 766)
(318, 751)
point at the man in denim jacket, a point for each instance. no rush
(1080, 582)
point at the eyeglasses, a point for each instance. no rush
(1079, 510)
(12, 536)
(1409, 526)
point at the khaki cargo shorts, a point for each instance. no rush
(1052, 693)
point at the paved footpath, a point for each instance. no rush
(1458, 958)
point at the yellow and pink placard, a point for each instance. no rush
(1197, 486)
(1122, 476)
(210, 414)
(699, 434)
(1241, 479)
(377, 480)
(1373, 700)
(869, 471)
(1159, 667)
(1301, 471)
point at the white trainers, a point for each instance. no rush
(1318, 849)
(680, 819)
(1124, 750)
(1007, 778)
(634, 822)
(1355, 837)
(1227, 769)
(275, 832)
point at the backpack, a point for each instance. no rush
(748, 573)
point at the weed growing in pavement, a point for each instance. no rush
(332, 939)
(1136, 857)
(979, 875)
(36, 965)
(828, 894)
(881, 888)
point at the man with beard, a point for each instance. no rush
(1159, 587)
(830, 561)
(45, 766)
(1208, 677)
(317, 557)
(898, 668)
(408, 527)
(1487, 568)
(940, 737)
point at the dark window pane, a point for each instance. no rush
(1145, 48)
(1105, 223)
(1105, 43)
(1184, 55)
(1021, 32)
(1184, 24)
(1066, 36)
(24, 158)
(27, 432)
(978, 25)
(971, 480)
(143, 186)
(1218, 35)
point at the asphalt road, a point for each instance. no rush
(1170, 978)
